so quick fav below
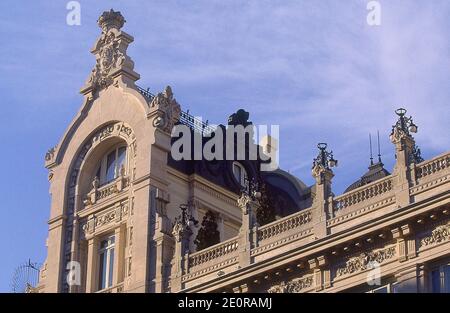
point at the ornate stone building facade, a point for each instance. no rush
(123, 211)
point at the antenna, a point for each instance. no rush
(370, 142)
(379, 150)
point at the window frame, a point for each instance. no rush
(102, 167)
(390, 288)
(109, 252)
(244, 174)
(442, 269)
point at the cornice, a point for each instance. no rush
(326, 244)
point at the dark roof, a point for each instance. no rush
(376, 171)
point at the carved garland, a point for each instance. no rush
(438, 235)
(293, 286)
(118, 129)
(366, 261)
(117, 213)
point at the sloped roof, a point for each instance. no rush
(376, 171)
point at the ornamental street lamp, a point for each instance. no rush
(325, 159)
(251, 189)
(185, 219)
(404, 123)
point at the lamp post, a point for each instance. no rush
(404, 123)
(325, 159)
(403, 129)
(251, 189)
(185, 219)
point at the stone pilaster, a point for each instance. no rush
(404, 145)
(323, 196)
(164, 241)
(247, 206)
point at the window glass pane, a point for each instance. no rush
(111, 267)
(237, 173)
(98, 172)
(121, 157)
(110, 167)
(103, 244)
(435, 281)
(446, 270)
(102, 272)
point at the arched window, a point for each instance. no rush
(240, 173)
(111, 165)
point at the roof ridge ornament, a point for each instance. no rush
(401, 136)
(166, 109)
(113, 65)
(111, 19)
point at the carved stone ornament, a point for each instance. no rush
(110, 52)
(320, 173)
(366, 260)
(438, 235)
(398, 135)
(293, 286)
(244, 202)
(317, 170)
(177, 229)
(168, 110)
(49, 156)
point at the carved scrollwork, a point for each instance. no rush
(293, 286)
(50, 154)
(177, 229)
(110, 51)
(365, 261)
(317, 170)
(244, 202)
(397, 135)
(438, 235)
(105, 218)
(168, 108)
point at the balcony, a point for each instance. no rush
(101, 193)
(300, 231)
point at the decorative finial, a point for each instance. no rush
(370, 144)
(110, 50)
(168, 92)
(111, 19)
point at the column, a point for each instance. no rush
(247, 206)
(119, 250)
(91, 272)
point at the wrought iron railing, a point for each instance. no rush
(146, 93)
(187, 119)
(195, 123)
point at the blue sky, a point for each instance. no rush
(316, 68)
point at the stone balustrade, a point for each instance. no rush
(214, 252)
(106, 191)
(433, 166)
(271, 239)
(285, 224)
(363, 193)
